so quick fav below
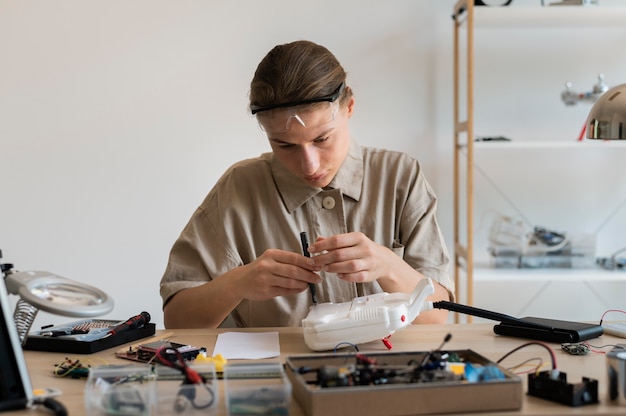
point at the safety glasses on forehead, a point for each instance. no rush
(308, 113)
(329, 98)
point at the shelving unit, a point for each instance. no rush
(467, 18)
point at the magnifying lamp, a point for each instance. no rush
(51, 293)
(607, 118)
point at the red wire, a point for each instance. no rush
(191, 376)
(610, 310)
(581, 136)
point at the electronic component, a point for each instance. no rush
(429, 367)
(547, 386)
(218, 361)
(364, 319)
(577, 348)
(126, 401)
(71, 368)
(145, 352)
(366, 371)
(402, 383)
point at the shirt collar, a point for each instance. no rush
(294, 193)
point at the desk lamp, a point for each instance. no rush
(607, 118)
(51, 293)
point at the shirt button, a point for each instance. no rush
(328, 202)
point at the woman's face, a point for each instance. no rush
(311, 142)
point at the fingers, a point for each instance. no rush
(351, 256)
(289, 266)
(278, 273)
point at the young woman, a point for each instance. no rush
(370, 213)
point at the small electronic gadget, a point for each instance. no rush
(364, 319)
(617, 329)
(549, 330)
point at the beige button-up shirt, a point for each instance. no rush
(257, 204)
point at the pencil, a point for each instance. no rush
(304, 239)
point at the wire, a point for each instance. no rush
(172, 358)
(56, 406)
(70, 368)
(356, 348)
(73, 368)
(535, 368)
(617, 346)
(541, 344)
(446, 339)
(429, 355)
(610, 310)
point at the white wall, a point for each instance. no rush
(117, 117)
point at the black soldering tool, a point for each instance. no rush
(304, 239)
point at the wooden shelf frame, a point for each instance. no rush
(463, 258)
(467, 18)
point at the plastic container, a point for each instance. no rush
(257, 389)
(174, 397)
(120, 390)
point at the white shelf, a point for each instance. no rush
(586, 144)
(546, 274)
(550, 17)
(567, 294)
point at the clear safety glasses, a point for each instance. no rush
(309, 114)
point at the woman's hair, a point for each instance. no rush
(297, 71)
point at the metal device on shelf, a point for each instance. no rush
(571, 97)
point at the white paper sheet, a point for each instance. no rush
(247, 345)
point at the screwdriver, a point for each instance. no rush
(304, 239)
(135, 322)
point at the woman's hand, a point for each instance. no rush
(276, 273)
(353, 257)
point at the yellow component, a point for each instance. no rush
(46, 392)
(457, 368)
(218, 360)
(39, 392)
